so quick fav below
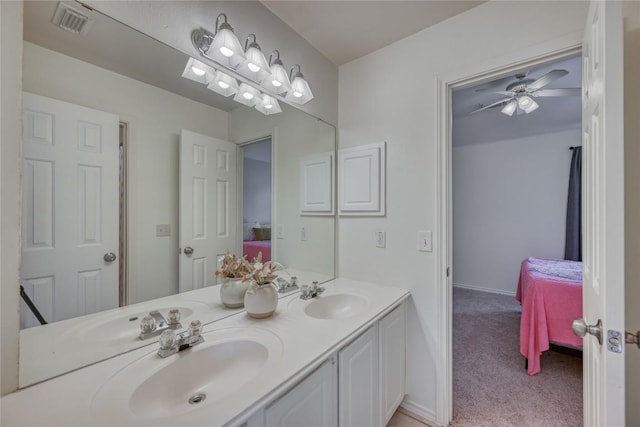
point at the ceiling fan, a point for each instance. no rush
(521, 92)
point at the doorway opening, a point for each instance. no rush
(508, 173)
(257, 196)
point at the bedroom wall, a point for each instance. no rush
(509, 202)
(256, 194)
(155, 118)
(402, 111)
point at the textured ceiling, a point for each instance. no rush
(345, 30)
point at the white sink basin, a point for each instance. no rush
(123, 325)
(332, 306)
(207, 374)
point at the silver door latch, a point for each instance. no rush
(614, 340)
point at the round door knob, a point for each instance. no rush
(109, 257)
(188, 250)
(581, 328)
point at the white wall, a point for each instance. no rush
(155, 118)
(10, 190)
(391, 95)
(172, 23)
(509, 203)
(631, 12)
(294, 135)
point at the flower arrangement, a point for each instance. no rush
(262, 273)
(234, 267)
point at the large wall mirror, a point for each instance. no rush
(123, 85)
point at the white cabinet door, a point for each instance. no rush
(358, 381)
(392, 362)
(313, 402)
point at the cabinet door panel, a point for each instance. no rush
(313, 402)
(392, 362)
(358, 382)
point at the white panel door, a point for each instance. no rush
(70, 209)
(208, 207)
(603, 212)
(358, 382)
(392, 362)
(312, 403)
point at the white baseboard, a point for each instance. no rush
(483, 289)
(418, 412)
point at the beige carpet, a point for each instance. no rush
(490, 384)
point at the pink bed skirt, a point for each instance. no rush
(250, 248)
(550, 292)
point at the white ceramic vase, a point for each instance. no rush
(261, 301)
(232, 292)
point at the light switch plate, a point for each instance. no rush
(163, 230)
(425, 243)
(381, 239)
(304, 234)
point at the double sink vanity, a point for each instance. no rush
(335, 359)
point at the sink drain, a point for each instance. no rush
(197, 398)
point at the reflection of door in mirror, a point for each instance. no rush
(208, 207)
(256, 199)
(71, 210)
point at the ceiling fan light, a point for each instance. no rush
(247, 95)
(268, 105)
(510, 108)
(197, 71)
(527, 104)
(223, 84)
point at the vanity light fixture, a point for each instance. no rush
(197, 71)
(278, 81)
(223, 84)
(268, 105)
(222, 46)
(255, 65)
(247, 95)
(300, 92)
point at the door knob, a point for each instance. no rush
(188, 250)
(580, 328)
(109, 257)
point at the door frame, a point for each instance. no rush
(445, 83)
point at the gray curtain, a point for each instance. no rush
(573, 239)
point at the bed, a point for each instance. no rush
(251, 248)
(550, 291)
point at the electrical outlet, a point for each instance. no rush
(280, 231)
(381, 239)
(163, 230)
(304, 234)
(425, 243)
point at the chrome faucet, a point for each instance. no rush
(285, 286)
(311, 292)
(154, 324)
(170, 343)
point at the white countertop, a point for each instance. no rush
(306, 342)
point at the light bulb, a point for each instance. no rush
(525, 101)
(226, 51)
(297, 94)
(198, 71)
(253, 67)
(223, 85)
(268, 106)
(276, 83)
(247, 95)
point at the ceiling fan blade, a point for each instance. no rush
(505, 92)
(502, 101)
(547, 78)
(558, 92)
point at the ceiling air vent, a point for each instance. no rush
(71, 19)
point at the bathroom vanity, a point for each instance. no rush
(336, 359)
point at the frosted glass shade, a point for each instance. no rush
(527, 104)
(247, 95)
(197, 71)
(223, 84)
(510, 108)
(278, 81)
(268, 105)
(226, 48)
(255, 65)
(300, 92)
